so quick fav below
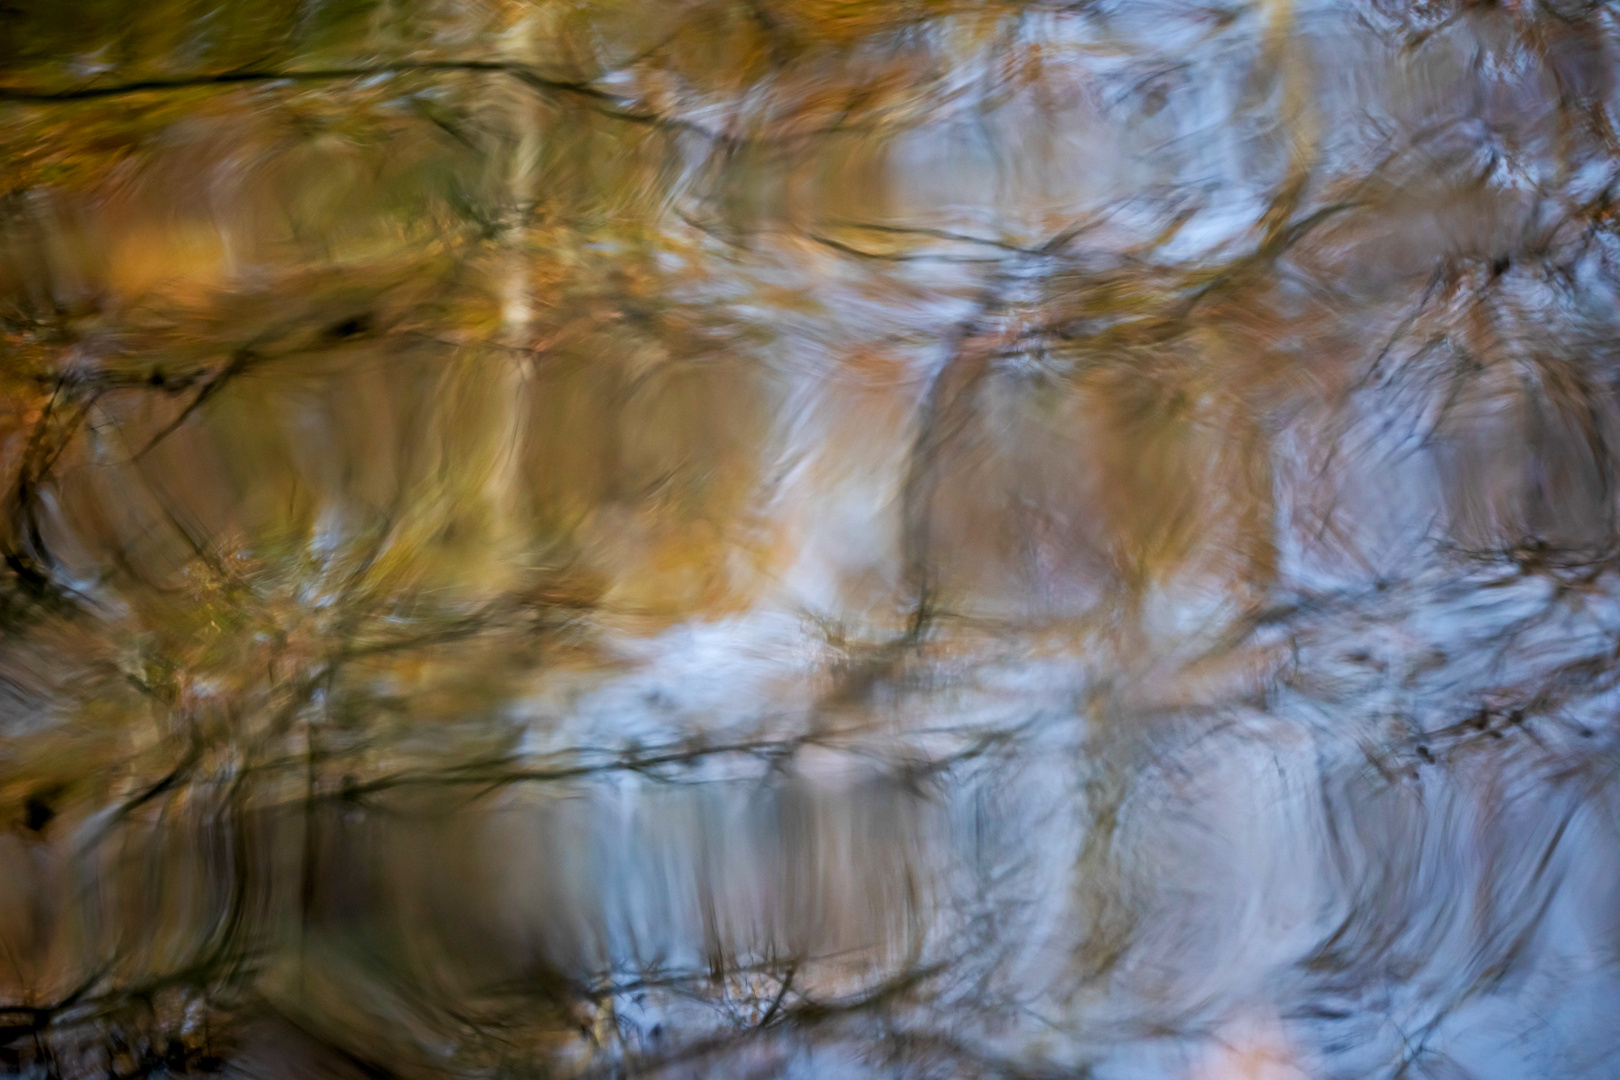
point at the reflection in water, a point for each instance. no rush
(744, 538)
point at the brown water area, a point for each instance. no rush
(818, 539)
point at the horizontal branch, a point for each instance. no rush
(247, 76)
(608, 104)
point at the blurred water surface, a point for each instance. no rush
(809, 538)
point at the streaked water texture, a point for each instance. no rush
(809, 539)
